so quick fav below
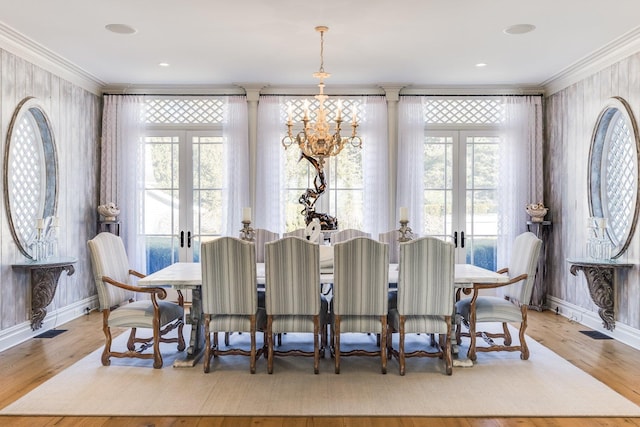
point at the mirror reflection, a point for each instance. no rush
(613, 173)
(30, 175)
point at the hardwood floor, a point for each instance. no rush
(27, 365)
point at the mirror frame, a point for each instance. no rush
(32, 106)
(598, 143)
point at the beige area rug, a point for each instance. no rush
(499, 384)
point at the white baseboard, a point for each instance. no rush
(622, 332)
(19, 333)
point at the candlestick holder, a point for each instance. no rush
(247, 233)
(406, 233)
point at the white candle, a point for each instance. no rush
(404, 214)
(246, 214)
(339, 109)
(306, 109)
(353, 115)
(40, 224)
(290, 112)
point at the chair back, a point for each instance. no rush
(109, 258)
(524, 260)
(229, 277)
(299, 232)
(391, 238)
(361, 276)
(349, 233)
(426, 277)
(261, 237)
(292, 273)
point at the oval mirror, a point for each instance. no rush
(30, 173)
(613, 173)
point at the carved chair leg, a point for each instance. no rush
(471, 354)
(252, 361)
(270, 344)
(507, 334)
(106, 353)
(131, 342)
(181, 343)
(207, 345)
(524, 349)
(383, 344)
(336, 342)
(316, 344)
(157, 356)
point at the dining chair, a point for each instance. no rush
(230, 297)
(512, 307)
(425, 298)
(298, 232)
(346, 234)
(261, 237)
(391, 238)
(292, 275)
(361, 274)
(117, 295)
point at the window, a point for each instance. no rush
(460, 176)
(344, 195)
(183, 178)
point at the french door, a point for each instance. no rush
(183, 175)
(460, 192)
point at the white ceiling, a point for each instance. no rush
(273, 42)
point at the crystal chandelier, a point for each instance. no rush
(316, 140)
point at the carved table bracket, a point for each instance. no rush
(600, 275)
(44, 282)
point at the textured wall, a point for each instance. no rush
(571, 115)
(75, 118)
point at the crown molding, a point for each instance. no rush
(620, 48)
(17, 44)
(129, 89)
(486, 90)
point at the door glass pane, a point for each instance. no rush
(438, 185)
(161, 201)
(481, 200)
(208, 178)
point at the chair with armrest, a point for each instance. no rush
(510, 308)
(117, 293)
(346, 234)
(361, 275)
(292, 273)
(230, 297)
(425, 298)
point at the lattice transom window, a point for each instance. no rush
(330, 106)
(179, 111)
(467, 111)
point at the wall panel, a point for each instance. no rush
(75, 116)
(570, 117)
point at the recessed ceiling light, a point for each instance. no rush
(163, 64)
(481, 64)
(519, 29)
(120, 29)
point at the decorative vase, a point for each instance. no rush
(109, 211)
(537, 211)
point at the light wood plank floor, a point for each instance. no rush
(26, 366)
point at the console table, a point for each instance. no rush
(600, 275)
(44, 281)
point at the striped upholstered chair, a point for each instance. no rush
(510, 308)
(117, 294)
(346, 234)
(263, 236)
(425, 297)
(292, 272)
(229, 296)
(361, 275)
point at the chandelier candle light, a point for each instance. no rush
(316, 142)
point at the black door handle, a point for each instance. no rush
(188, 239)
(462, 239)
(182, 239)
(455, 239)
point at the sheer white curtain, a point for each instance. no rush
(121, 177)
(410, 181)
(375, 164)
(520, 173)
(269, 209)
(235, 193)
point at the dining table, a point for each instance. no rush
(188, 276)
